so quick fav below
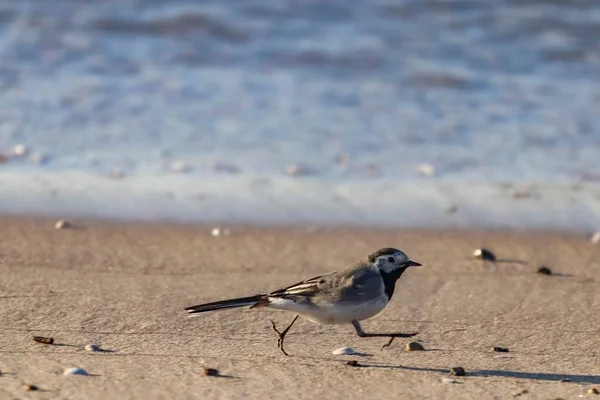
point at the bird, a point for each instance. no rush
(346, 296)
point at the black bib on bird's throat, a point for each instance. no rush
(389, 280)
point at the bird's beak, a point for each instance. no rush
(412, 263)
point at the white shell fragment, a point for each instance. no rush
(449, 380)
(75, 371)
(62, 224)
(179, 166)
(427, 170)
(348, 351)
(92, 347)
(219, 232)
(595, 239)
(20, 150)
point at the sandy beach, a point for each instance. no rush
(124, 286)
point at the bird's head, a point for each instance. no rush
(390, 260)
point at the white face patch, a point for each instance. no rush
(391, 262)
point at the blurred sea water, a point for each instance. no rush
(396, 113)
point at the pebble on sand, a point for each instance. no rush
(544, 270)
(92, 347)
(352, 363)
(344, 351)
(211, 372)
(62, 224)
(75, 371)
(593, 390)
(458, 371)
(501, 349)
(595, 239)
(484, 254)
(30, 388)
(414, 346)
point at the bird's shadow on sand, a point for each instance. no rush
(357, 354)
(536, 376)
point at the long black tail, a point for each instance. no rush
(255, 300)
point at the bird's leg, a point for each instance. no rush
(282, 334)
(392, 336)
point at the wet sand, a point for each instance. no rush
(124, 286)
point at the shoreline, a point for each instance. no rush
(309, 227)
(256, 200)
(124, 286)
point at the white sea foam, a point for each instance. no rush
(294, 200)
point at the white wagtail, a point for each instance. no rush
(352, 294)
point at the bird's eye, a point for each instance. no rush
(391, 259)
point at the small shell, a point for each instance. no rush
(62, 224)
(218, 232)
(75, 371)
(92, 347)
(20, 150)
(427, 170)
(484, 254)
(449, 380)
(179, 167)
(348, 351)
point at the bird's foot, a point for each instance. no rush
(395, 335)
(282, 334)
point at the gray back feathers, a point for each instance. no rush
(358, 282)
